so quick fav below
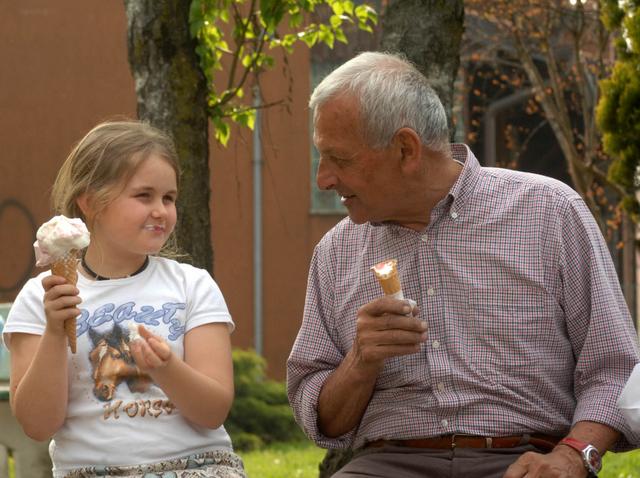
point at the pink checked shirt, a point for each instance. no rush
(528, 330)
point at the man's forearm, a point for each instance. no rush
(345, 397)
(564, 460)
(601, 436)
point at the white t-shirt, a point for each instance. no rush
(115, 416)
(629, 400)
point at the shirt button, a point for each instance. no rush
(454, 214)
(435, 344)
(441, 387)
(430, 291)
(445, 423)
(424, 238)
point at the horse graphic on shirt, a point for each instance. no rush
(112, 363)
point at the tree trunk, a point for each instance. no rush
(172, 96)
(429, 33)
(333, 461)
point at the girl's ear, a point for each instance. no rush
(83, 203)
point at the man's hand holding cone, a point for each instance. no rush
(388, 326)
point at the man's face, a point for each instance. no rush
(368, 181)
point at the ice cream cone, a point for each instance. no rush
(67, 267)
(387, 274)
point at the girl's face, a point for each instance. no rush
(141, 218)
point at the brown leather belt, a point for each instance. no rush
(543, 442)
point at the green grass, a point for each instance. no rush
(300, 460)
(621, 465)
(291, 460)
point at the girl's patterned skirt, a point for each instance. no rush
(213, 464)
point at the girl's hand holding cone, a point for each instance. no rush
(60, 305)
(58, 244)
(67, 267)
(149, 351)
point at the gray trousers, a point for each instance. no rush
(401, 462)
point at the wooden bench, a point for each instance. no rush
(30, 458)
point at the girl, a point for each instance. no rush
(152, 382)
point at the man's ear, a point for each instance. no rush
(410, 146)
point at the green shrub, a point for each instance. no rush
(247, 441)
(260, 414)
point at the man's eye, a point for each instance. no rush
(340, 162)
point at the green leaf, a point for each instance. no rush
(310, 38)
(337, 7)
(244, 117)
(222, 46)
(295, 19)
(251, 119)
(246, 60)
(222, 131)
(251, 31)
(361, 12)
(272, 13)
(340, 36)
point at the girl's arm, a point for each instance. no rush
(39, 377)
(201, 385)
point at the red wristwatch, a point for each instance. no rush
(589, 453)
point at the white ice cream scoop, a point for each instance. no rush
(58, 236)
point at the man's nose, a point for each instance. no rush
(325, 178)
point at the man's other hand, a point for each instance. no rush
(562, 462)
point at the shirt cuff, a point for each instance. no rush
(599, 405)
(306, 413)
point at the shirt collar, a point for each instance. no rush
(466, 182)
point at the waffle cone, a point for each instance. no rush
(67, 267)
(390, 285)
(387, 274)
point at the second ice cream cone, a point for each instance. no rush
(387, 274)
(67, 267)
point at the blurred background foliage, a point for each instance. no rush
(260, 414)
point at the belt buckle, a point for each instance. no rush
(487, 440)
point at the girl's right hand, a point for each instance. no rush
(60, 303)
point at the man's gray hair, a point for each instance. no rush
(392, 94)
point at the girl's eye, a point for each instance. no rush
(142, 195)
(169, 199)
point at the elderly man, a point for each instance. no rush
(511, 363)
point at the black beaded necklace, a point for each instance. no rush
(99, 277)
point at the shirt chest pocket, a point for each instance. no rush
(509, 330)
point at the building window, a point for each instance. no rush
(323, 61)
(322, 202)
